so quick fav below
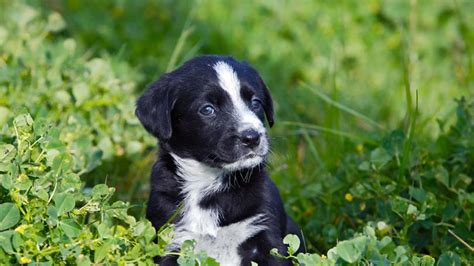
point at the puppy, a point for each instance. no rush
(208, 116)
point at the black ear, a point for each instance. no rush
(154, 109)
(267, 103)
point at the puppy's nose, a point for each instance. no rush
(250, 138)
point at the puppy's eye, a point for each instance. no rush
(255, 104)
(207, 110)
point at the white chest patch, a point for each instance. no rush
(198, 181)
(225, 246)
(202, 225)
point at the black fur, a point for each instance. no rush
(169, 111)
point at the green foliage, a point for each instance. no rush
(9, 215)
(363, 249)
(190, 258)
(87, 97)
(48, 216)
(362, 193)
(426, 206)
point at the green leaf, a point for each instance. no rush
(62, 97)
(203, 259)
(153, 250)
(42, 194)
(23, 120)
(135, 252)
(449, 258)
(186, 261)
(418, 194)
(52, 215)
(55, 22)
(423, 261)
(400, 253)
(332, 254)
(6, 180)
(351, 250)
(305, 259)
(70, 228)
(393, 143)
(188, 246)
(364, 166)
(134, 147)
(450, 211)
(7, 153)
(6, 241)
(99, 191)
(4, 112)
(9, 215)
(83, 260)
(380, 157)
(412, 210)
(293, 243)
(102, 251)
(274, 252)
(61, 163)
(104, 230)
(165, 235)
(209, 262)
(107, 147)
(442, 175)
(385, 244)
(139, 228)
(64, 203)
(80, 92)
(22, 182)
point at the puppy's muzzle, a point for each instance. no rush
(250, 138)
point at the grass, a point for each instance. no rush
(366, 121)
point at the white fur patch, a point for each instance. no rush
(225, 246)
(199, 180)
(229, 81)
(202, 225)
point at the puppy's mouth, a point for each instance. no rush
(251, 155)
(247, 161)
(241, 158)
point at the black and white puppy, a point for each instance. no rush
(209, 118)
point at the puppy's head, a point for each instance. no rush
(212, 109)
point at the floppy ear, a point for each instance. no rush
(267, 103)
(154, 109)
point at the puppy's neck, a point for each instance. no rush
(197, 175)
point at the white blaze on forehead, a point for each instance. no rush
(229, 81)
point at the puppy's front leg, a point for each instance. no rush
(167, 260)
(257, 249)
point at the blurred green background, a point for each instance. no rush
(343, 75)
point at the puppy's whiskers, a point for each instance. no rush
(247, 180)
